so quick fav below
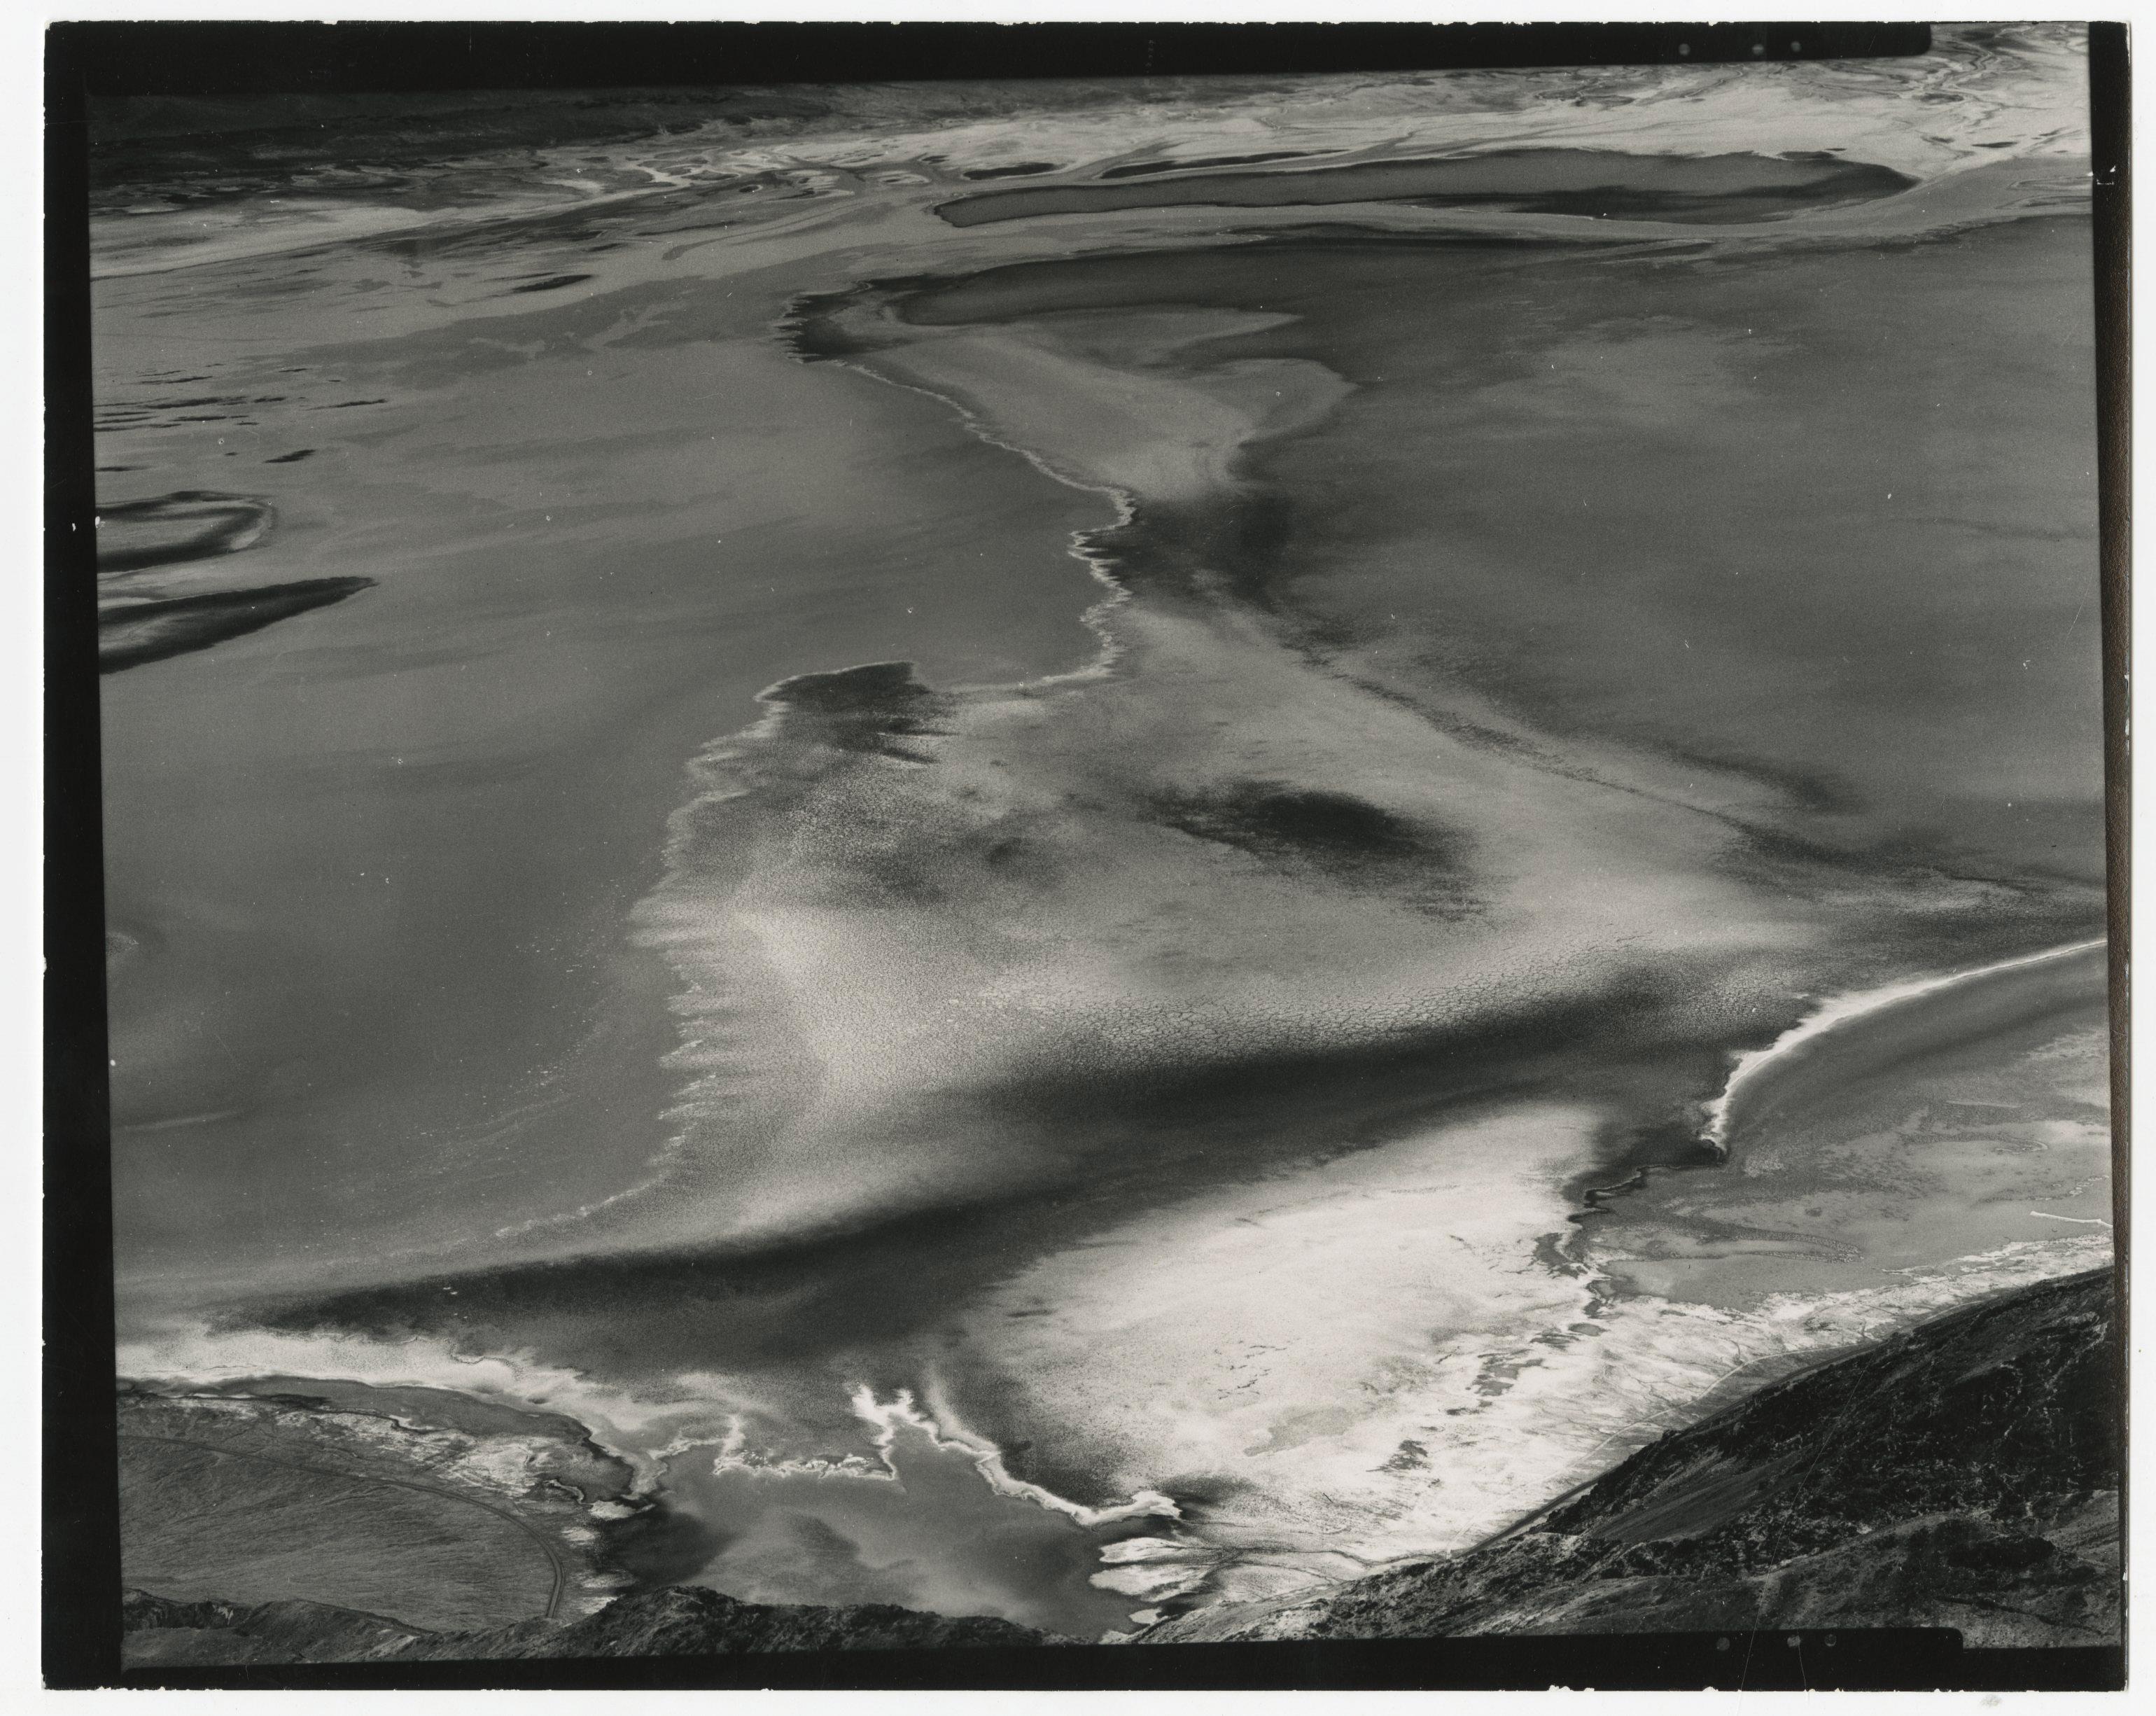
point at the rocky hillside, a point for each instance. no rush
(1965, 1474)
(678, 1621)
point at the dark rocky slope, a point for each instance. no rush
(677, 1621)
(1964, 1474)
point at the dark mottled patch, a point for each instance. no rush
(1411, 1455)
(865, 708)
(1269, 817)
(1347, 838)
(1199, 1494)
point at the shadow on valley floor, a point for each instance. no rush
(848, 1291)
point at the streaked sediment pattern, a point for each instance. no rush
(1056, 813)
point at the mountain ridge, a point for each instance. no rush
(1963, 1474)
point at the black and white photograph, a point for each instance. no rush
(906, 867)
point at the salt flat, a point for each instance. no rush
(1050, 910)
